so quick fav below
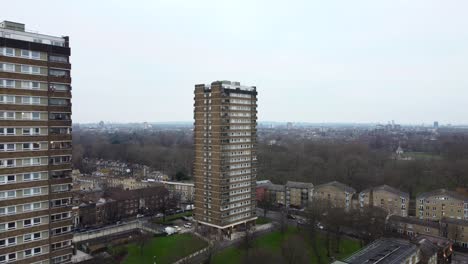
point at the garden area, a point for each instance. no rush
(292, 245)
(162, 250)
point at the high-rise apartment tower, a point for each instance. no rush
(225, 166)
(35, 147)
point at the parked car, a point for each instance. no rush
(178, 228)
(290, 216)
(158, 215)
(187, 225)
(140, 215)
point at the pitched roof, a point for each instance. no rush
(339, 185)
(389, 189)
(443, 192)
(275, 187)
(293, 184)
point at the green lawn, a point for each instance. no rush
(271, 242)
(166, 249)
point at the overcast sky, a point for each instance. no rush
(312, 61)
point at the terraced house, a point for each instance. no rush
(441, 203)
(35, 147)
(392, 200)
(225, 166)
(335, 193)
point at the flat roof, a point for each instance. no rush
(384, 251)
(29, 35)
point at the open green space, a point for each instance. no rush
(272, 243)
(164, 250)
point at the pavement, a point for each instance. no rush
(459, 258)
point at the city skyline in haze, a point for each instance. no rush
(311, 61)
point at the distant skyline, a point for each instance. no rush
(312, 61)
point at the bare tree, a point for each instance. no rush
(266, 204)
(143, 240)
(247, 242)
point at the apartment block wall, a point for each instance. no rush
(225, 154)
(35, 152)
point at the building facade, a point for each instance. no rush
(334, 193)
(35, 147)
(299, 194)
(225, 166)
(441, 203)
(392, 200)
(184, 190)
(277, 194)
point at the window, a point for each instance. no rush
(7, 210)
(27, 222)
(7, 99)
(58, 101)
(30, 69)
(27, 237)
(7, 195)
(25, 53)
(36, 206)
(31, 176)
(58, 73)
(36, 55)
(7, 115)
(8, 67)
(7, 179)
(11, 225)
(60, 87)
(56, 58)
(8, 147)
(7, 163)
(7, 51)
(27, 207)
(7, 83)
(30, 85)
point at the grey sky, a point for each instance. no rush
(314, 61)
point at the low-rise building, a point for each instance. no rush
(277, 194)
(412, 226)
(261, 189)
(299, 194)
(456, 230)
(336, 194)
(390, 199)
(434, 249)
(184, 190)
(441, 203)
(386, 250)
